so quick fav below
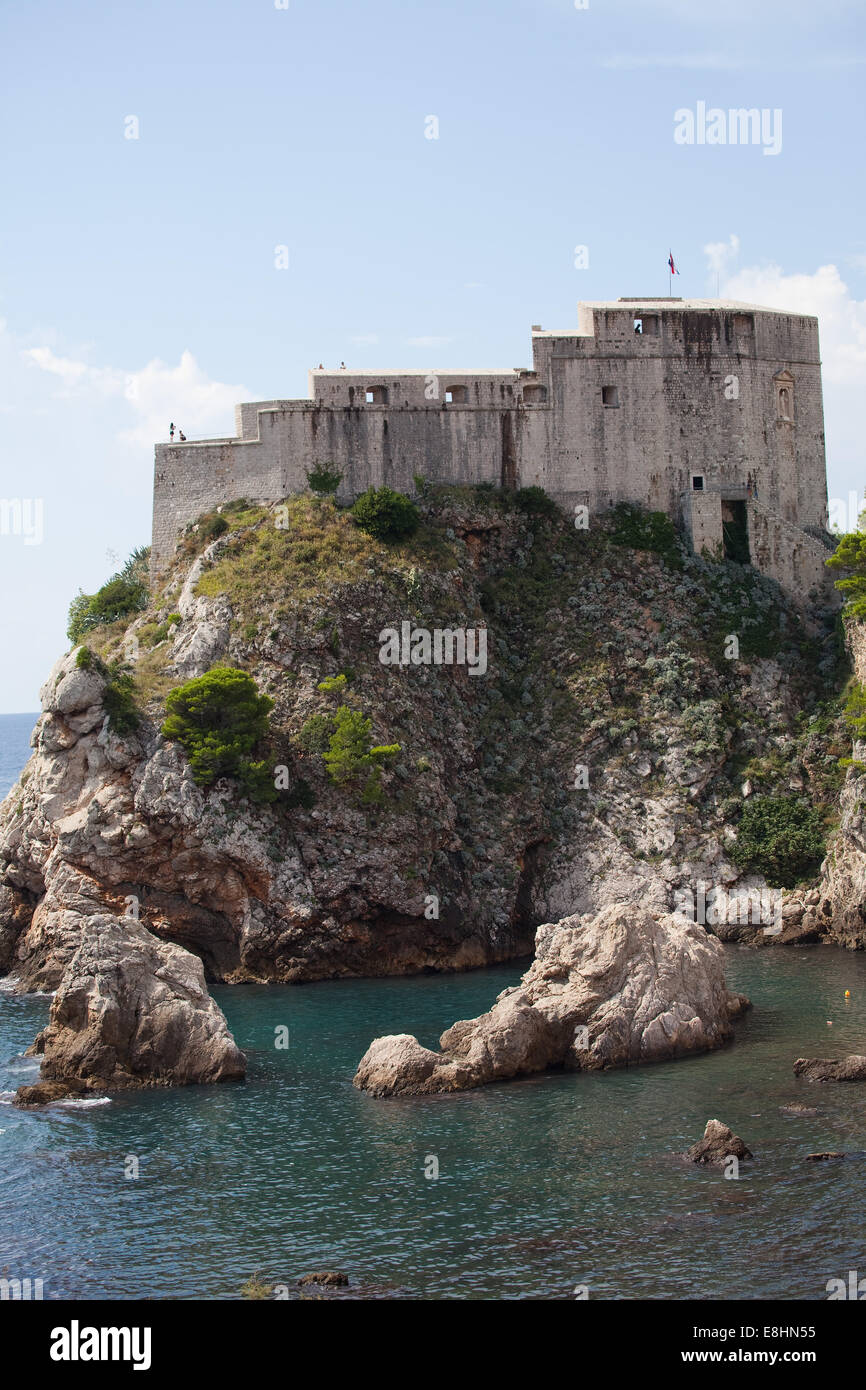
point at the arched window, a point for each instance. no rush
(784, 384)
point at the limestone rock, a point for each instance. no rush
(619, 987)
(132, 1010)
(718, 1144)
(824, 1069)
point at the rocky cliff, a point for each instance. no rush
(604, 756)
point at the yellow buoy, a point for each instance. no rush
(847, 994)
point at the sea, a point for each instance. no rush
(15, 731)
(535, 1189)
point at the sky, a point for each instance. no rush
(426, 171)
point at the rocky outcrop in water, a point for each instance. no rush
(609, 990)
(131, 1010)
(717, 1144)
(824, 1069)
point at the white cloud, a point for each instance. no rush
(365, 339)
(155, 394)
(720, 254)
(842, 330)
(428, 342)
(841, 317)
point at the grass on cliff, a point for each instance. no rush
(306, 546)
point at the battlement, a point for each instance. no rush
(648, 400)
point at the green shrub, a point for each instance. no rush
(301, 794)
(850, 554)
(323, 480)
(350, 754)
(385, 514)
(118, 696)
(333, 685)
(218, 719)
(535, 502)
(314, 735)
(855, 709)
(119, 699)
(641, 530)
(122, 595)
(781, 837)
(212, 527)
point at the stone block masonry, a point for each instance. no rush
(710, 411)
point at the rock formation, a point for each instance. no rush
(824, 1069)
(131, 1010)
(717, 1145)
(481, 830)
(611, 989)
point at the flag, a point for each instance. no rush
(674, 270)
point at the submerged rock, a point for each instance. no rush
(132, 1010)
(824, 1069)
(718, 1144)
(821, 1158)
(46, 1092)
(611, 989)
(332, 1278)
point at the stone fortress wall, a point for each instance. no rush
(710, 411)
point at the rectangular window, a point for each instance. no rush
(697, 482)
(609, 395)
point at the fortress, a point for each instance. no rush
(710, 411)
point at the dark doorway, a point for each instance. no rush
(735, 529)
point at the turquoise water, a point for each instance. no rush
(544, 1184)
